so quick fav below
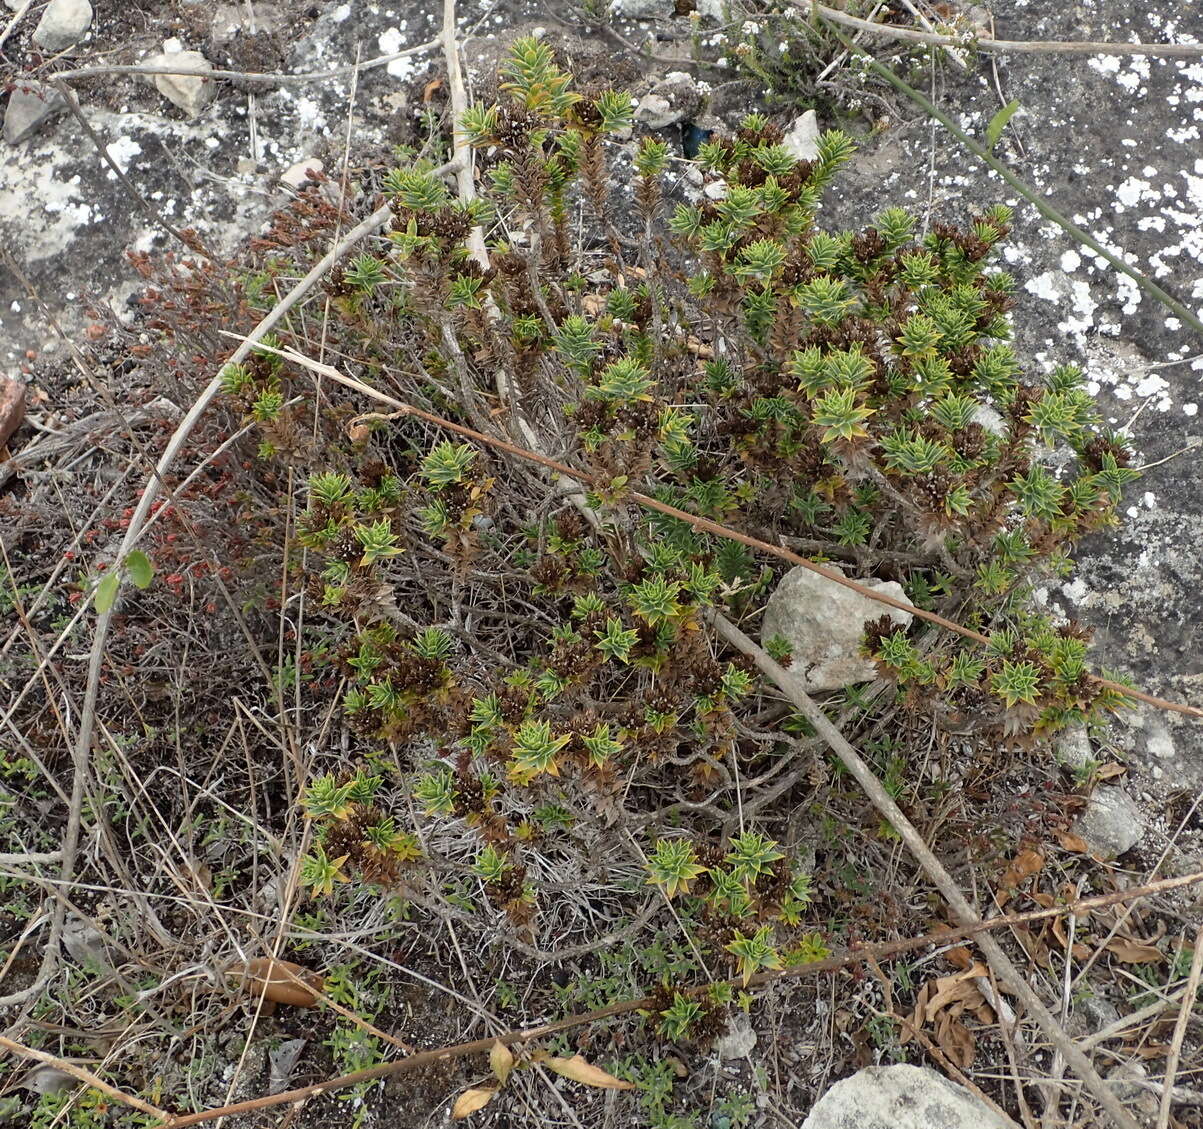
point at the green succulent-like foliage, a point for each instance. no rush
(533, 656)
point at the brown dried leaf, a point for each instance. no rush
(1111, 771)
(1061, 932)
(274, 979)
(1024, 865)
(956, 1041)
(1071, 842)
(959, 957)
(1131, 951)
(501, 1061)
(1035, 948)
(581, 1071)
(471, 1100)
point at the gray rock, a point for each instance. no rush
(1130, 1081)
(192, 93)
(63, 23)
(30, 106)
(738, 1041)
(85, 944)
(644, 9)
(1093, 1013)
(1111, 823)
(803, 137)
(674, 98)
(232, 20)
(1073, 747)
(823, 623)
(655, 111)
(901, 1097)
(47, 1080)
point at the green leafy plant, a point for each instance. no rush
(539, 717)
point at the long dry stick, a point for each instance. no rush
(81, 750)
(1000, 963)
(257, 78)
(461, 151)
(22, 8)
(82, 1075)
(1002, 46)
(700, 523)
(884, 950)
(1184, 1014)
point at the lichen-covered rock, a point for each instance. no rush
(803, 138)
(1112, 822)
(676, 97)
(738, 1041)
(1073, 747)
(824, 623)
(901, 1097)
(644, 9)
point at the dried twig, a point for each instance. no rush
(461, 151)
(886, 950)
(82, 1075)
(18, 16)
(33, 858)
(1184, 1014)
(1002, 46)
(257, 78)
(1011, 977)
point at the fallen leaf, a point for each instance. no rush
(274, 979)
(1073, 842)
(12, 407)
(471, 1100)
(1061, 932)
(1025, 864)
(959, 957)
(579, 1070)
(429, 89)
(956, 1041)
(958, 989)
(1110, 771)
(501, 1061)
(1131, 951)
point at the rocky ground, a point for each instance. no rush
(1112, 142)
